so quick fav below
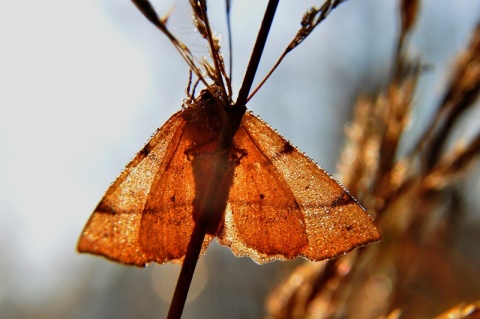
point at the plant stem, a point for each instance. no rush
(209, 201)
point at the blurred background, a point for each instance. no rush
(83, 85)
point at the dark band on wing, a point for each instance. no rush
(145, 150)
(287, 148)
(343, 200)
(102, 208)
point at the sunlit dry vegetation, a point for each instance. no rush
(411, 161)
(415, 196)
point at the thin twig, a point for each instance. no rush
(311, 19)
(149, 12)
(210, 200)
(257, 53)
(229, 31)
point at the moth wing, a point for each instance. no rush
(282, 205)
(146, 214)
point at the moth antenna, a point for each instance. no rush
(195, 86)
(189, 85)
(218, 72)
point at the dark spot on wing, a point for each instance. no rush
(104, 209)
(145, 150)
(238, 154)
(172, 199)
(262, 196)
(287, 148)
(343, 200)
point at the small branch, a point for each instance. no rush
(210, 200)
(463, 90)
(229, 31)
(257, 53)
(148, 11)
(311, 19)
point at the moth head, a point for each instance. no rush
(207, 111)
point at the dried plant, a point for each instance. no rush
(214, 171)
(462, 311)
(415, 271)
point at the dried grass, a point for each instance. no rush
(415, 272)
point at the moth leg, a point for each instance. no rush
(196, 149)
(237, 154)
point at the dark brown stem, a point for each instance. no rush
(209, 204)
(209, 201)
(257, 53)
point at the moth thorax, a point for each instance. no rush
(206, 112)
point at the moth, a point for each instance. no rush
(267, 201)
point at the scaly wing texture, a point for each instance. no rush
(146, 214)
(282, 205)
